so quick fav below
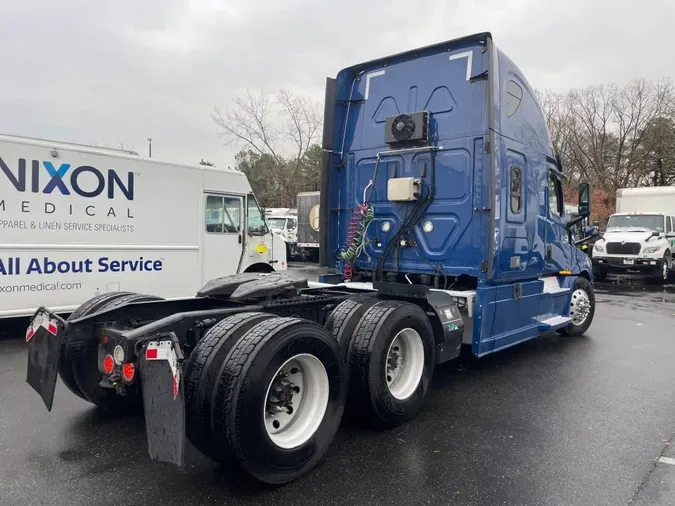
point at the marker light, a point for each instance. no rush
(118, 353)
(128, 372)
(386, 226)
(108, 364)
(428, 226)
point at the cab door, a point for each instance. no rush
(223, 235)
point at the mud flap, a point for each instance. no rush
(43, 337)
(163, 402)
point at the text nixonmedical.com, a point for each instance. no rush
(40, 287)
(15, 266)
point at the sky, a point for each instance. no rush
(109, 72)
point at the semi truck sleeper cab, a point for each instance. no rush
(442, 223)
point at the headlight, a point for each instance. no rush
(652, 249)
(599, 248)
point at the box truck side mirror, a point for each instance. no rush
(584, 200)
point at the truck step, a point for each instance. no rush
(554, 323)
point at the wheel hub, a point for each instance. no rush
(580, 307)
(404, 364)
(282, 391)
(394, 362)
(296, 401)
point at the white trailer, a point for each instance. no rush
(77, 221)
(653, 199)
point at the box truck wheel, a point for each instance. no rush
(600, 273)
(582, 308)
(280, 399)
(665, 267)
(89, 307)
(391, 362)
(84, 364)
(346, 316)
(202, 372)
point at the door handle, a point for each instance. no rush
(239, 238)
(549, 253)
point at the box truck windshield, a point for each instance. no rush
(638, 222)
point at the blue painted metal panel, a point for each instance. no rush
(507, 320)
(438, 80)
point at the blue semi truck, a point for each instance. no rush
(442, 223)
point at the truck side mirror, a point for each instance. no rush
(584, 200)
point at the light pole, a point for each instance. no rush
(149, 147)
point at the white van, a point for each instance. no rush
(76, 221)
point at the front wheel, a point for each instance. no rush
(582, 308)
(665, 268)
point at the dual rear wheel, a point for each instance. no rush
(268, 393)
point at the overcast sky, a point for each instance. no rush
(90, 71)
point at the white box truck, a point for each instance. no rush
(284, 221)
(640, 236)
(77, 221)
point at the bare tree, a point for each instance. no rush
(303, 121)
(276, 136)
(600, 131)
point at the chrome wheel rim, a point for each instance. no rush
(580, 307)
(405, 364)
(296, 401)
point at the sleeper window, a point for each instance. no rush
(516, 189)
(514, 95)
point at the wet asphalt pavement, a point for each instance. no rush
(556, 421)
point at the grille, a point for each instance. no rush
(629, 248)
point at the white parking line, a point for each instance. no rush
(666, 460)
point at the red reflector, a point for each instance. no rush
(104, 339)
(108, 364)
(52, 329)
(128, 372)
(151, 354)
(29, 334)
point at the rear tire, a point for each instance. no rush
(201, 376)
(389, 381)
(346, 316)
(251, 387)
(84, 360)
(89, 307)
(582, 308)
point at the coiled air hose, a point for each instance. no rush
(356, 234)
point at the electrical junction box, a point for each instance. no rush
(403, 189)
